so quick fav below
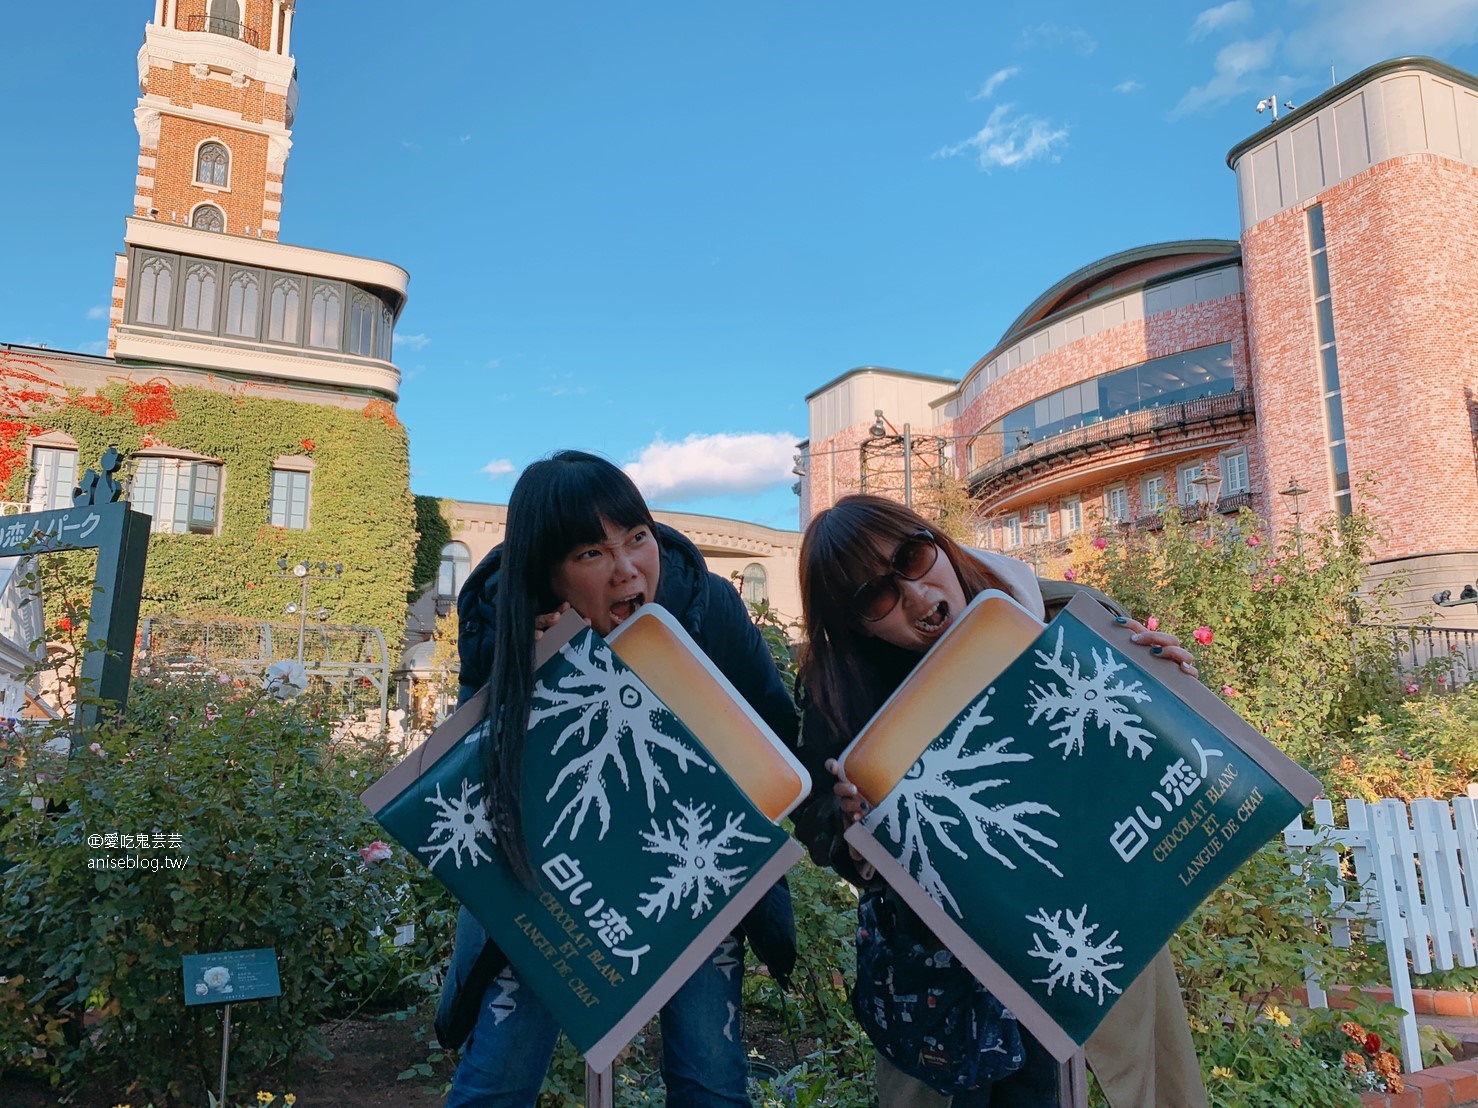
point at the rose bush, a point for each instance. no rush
(237, 816)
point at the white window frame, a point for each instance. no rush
(285, 500)
(53, 477)
(1236, 472)
(1152, 493)
(1011, 532)
(1071, 515)
(183, 484)
(1190, 492)
(1116, 513)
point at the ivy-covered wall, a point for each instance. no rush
(361, 511)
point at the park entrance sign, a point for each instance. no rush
(100, 520)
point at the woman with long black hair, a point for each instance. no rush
(579, 536)
(879, 587)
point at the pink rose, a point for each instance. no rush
(1277, 578)
(1202, 635)
(1401, 753)
(1069, 574)
(1152, 624)
(375, 852)
(1411, 689)
(1253, 540)
(1100, 544)
(1228, 691)
(1257, 586)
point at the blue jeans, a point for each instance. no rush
(704, 1064)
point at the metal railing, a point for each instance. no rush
(1134, 425)
(1448, 655)
(216, 26)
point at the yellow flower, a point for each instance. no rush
(1200, 1027)
(265, 1098)
(290, 1099)
(1221, 1072)
(1277, 1015)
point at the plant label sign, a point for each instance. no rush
(231, 976)
(645, 852)
(1055, 812)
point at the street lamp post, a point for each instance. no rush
(304, 572)
(1034, 541)
(1296, 491)
(1209, 482)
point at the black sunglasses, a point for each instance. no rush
(914, 557)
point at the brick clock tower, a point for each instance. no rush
(203, 282)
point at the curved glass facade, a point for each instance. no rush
(1190, 375)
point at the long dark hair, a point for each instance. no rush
(559, 503)
(847, 673)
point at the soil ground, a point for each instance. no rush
(369, 1056)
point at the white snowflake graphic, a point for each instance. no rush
(1074, 958)
(607, 708)
(504, 1004)
(1099, 698)
(697, 851)
(458, 824)
(935, 797)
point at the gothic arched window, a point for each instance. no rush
(208, 217)
(213, 164)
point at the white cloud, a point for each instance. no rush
(499, 467)
(1008, 140)
(1237, 64)
(714, 465)
(1223, 15)
(1053, 37)
(1357, 33)
(99, 311)
(413, 342)
(995, 81)
(1128, 86)
(98, 347)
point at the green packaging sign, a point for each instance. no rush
(646, 853)
(1077, 811)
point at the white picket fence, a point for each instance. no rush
(1416, 882)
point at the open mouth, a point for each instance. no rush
(623, 609)
(935, 620)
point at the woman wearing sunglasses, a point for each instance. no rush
(879, 587)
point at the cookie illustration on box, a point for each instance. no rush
(657, 648)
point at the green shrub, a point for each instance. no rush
(264, 801)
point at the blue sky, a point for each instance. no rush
(650, 229)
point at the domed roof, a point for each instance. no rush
(1120, 271)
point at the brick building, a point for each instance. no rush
(248, 382)
(1335, 339)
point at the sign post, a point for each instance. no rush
(100, 520)
(229, 977)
